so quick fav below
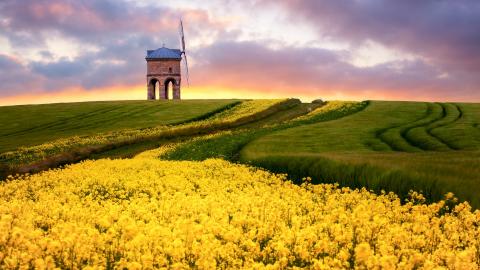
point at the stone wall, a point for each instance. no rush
(163, 71)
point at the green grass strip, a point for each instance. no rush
(228, 146)
(326, 170)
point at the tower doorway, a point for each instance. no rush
(153, 89)
(169, 88)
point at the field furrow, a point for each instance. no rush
(399, 140)
(461, 133)
(422, 137)
(452, 114)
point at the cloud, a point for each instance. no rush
(110, 38)
(60, 69)
(314, 71)
(16, 78)
(445, 32)
(97, 22)
(85, 18)
(120, 64)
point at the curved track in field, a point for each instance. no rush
(452, 114)
(418, 135)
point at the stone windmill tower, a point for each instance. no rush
(163, 67)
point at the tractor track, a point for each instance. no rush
(429, 122)
(414, 141)
(459, 116)
(402, 144)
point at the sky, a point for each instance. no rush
(80, 50)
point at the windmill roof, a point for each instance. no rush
(164, 53)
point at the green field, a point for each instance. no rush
(381, 145)
(28, 125)
(395, 146)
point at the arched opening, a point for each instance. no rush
(154, 88)
(169, 85)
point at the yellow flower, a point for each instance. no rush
(145, 213)
(362, 253)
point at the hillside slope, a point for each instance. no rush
(28, 125)
(381, 145)
(397, 146)
(119, 143)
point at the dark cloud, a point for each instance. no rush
(445, 32)
(121, 63)
(15, 78)
(31, 22)
(60, 69)
(87, 18)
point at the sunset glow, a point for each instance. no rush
(63, 51)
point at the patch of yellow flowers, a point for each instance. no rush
(146, 213)
(335, 105)
(25, 155)
(245, 109)
(158, 153)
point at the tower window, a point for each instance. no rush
(170, 70)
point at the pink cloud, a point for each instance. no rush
(317, 72)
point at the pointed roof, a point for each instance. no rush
(164, 53)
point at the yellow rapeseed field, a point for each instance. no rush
(146, 213)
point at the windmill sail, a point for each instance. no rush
(186, 69)
(182, 37)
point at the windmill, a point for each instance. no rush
(164, 70)
(184, 52)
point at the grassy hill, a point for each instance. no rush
(127, 142)
(381, 145)
(433, 147)
(28, 125)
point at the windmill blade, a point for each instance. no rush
(186, 69)
(182, 36)
(184, 52)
